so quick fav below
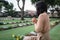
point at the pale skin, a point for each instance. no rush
(42, 24)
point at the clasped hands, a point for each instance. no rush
(34, 20)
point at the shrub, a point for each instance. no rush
(1, 23)
(4, 23)
(10, 27)
(20, 25)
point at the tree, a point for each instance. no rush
(0, 7)
(1, 4)
(9, 9)
(34, 1)
(49, 3)
(21, 8)
(58, 10)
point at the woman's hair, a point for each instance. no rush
(41, 7)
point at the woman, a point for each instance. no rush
(42, 25)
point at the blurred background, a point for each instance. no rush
(16, 15)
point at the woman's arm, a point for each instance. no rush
(34, 20)
(39, 24)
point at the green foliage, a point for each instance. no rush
(57, 2)
(7, 34)
(49, 2)
(33, 1)
(53, 2)
(1, 4)
(8, 7)
(21, 8)
(17, 31)
(0, 7)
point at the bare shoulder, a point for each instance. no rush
(45, 15)
(41, 16)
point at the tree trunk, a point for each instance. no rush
(22, 9)
(0, 9)
(22, 15)
(58, 14)
(52, 14)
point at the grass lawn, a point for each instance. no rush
(7, 35)
(55, 33)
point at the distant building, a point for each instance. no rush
(31, 12)
(52, 12)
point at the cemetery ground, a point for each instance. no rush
(17, 27)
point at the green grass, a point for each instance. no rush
(7, 35)
(55, 33)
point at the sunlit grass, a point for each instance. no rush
(55, 33)
(7, 35)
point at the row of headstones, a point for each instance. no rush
(3, 23)
(55, 23)
(15, 26)
(8, 18)
(33, 34)
(27, 24)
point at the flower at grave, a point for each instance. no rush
(24, 24)
(18, 37)
(4, 23)
(13, 35)
(5, 27)
(20, 25)
(10, 22)
(21, 37)
(28, 23)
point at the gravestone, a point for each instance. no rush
(9, 18)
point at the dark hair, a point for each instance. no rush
(41, 7)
